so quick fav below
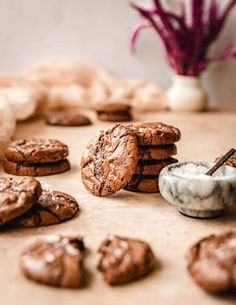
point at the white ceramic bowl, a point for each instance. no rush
(195, 194)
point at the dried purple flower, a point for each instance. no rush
(187, 44)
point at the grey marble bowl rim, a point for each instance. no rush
(167, 171)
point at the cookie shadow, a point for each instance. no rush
(131, 198)
(157, 266)
(88, 274)
(87, 278)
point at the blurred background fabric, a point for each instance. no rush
(36, 30)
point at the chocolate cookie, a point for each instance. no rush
(113, 108)
(115, 117)
(17, 196)
(36, 170)
(114, 112)
(109, 160)
(55, 260)
(212, 262)
(67, 118)
(145, 184)
(157, 152)
(36, 151)
(51, 208)
(124, 260)
(155, 133)
(152, 167)
(231, 161)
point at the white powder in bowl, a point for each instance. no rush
(198, 170)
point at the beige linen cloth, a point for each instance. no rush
(70, 83)
(7, 124)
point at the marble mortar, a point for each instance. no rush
(195, 194)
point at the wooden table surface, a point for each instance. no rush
(145, 216)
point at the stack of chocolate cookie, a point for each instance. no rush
(114, 112)
(129, 157)
(36, 157)
(156, 148)
(24, 204)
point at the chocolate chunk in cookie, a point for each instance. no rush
(17, 196)
(109, 161)
(124, 260)
(36, 170)
(155, 133)
(159, 152)
(55, 260)
(67, 118)
(145, 184)
(231, 161)
(36, 151)
(51, 208)
(114, 112)
(212, 262)
(153, 167)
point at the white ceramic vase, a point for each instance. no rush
(187, 94)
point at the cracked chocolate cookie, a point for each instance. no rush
(17, 196)
(67, 118)
(155, 133)
(55, 260)
(109, 160)
(159, 152)
(153, 167)
(51, 208)
(124, 260)
(212, 262)
(143, 183)
(35, 170)
(36, 151)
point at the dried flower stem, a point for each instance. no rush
(187, 44)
